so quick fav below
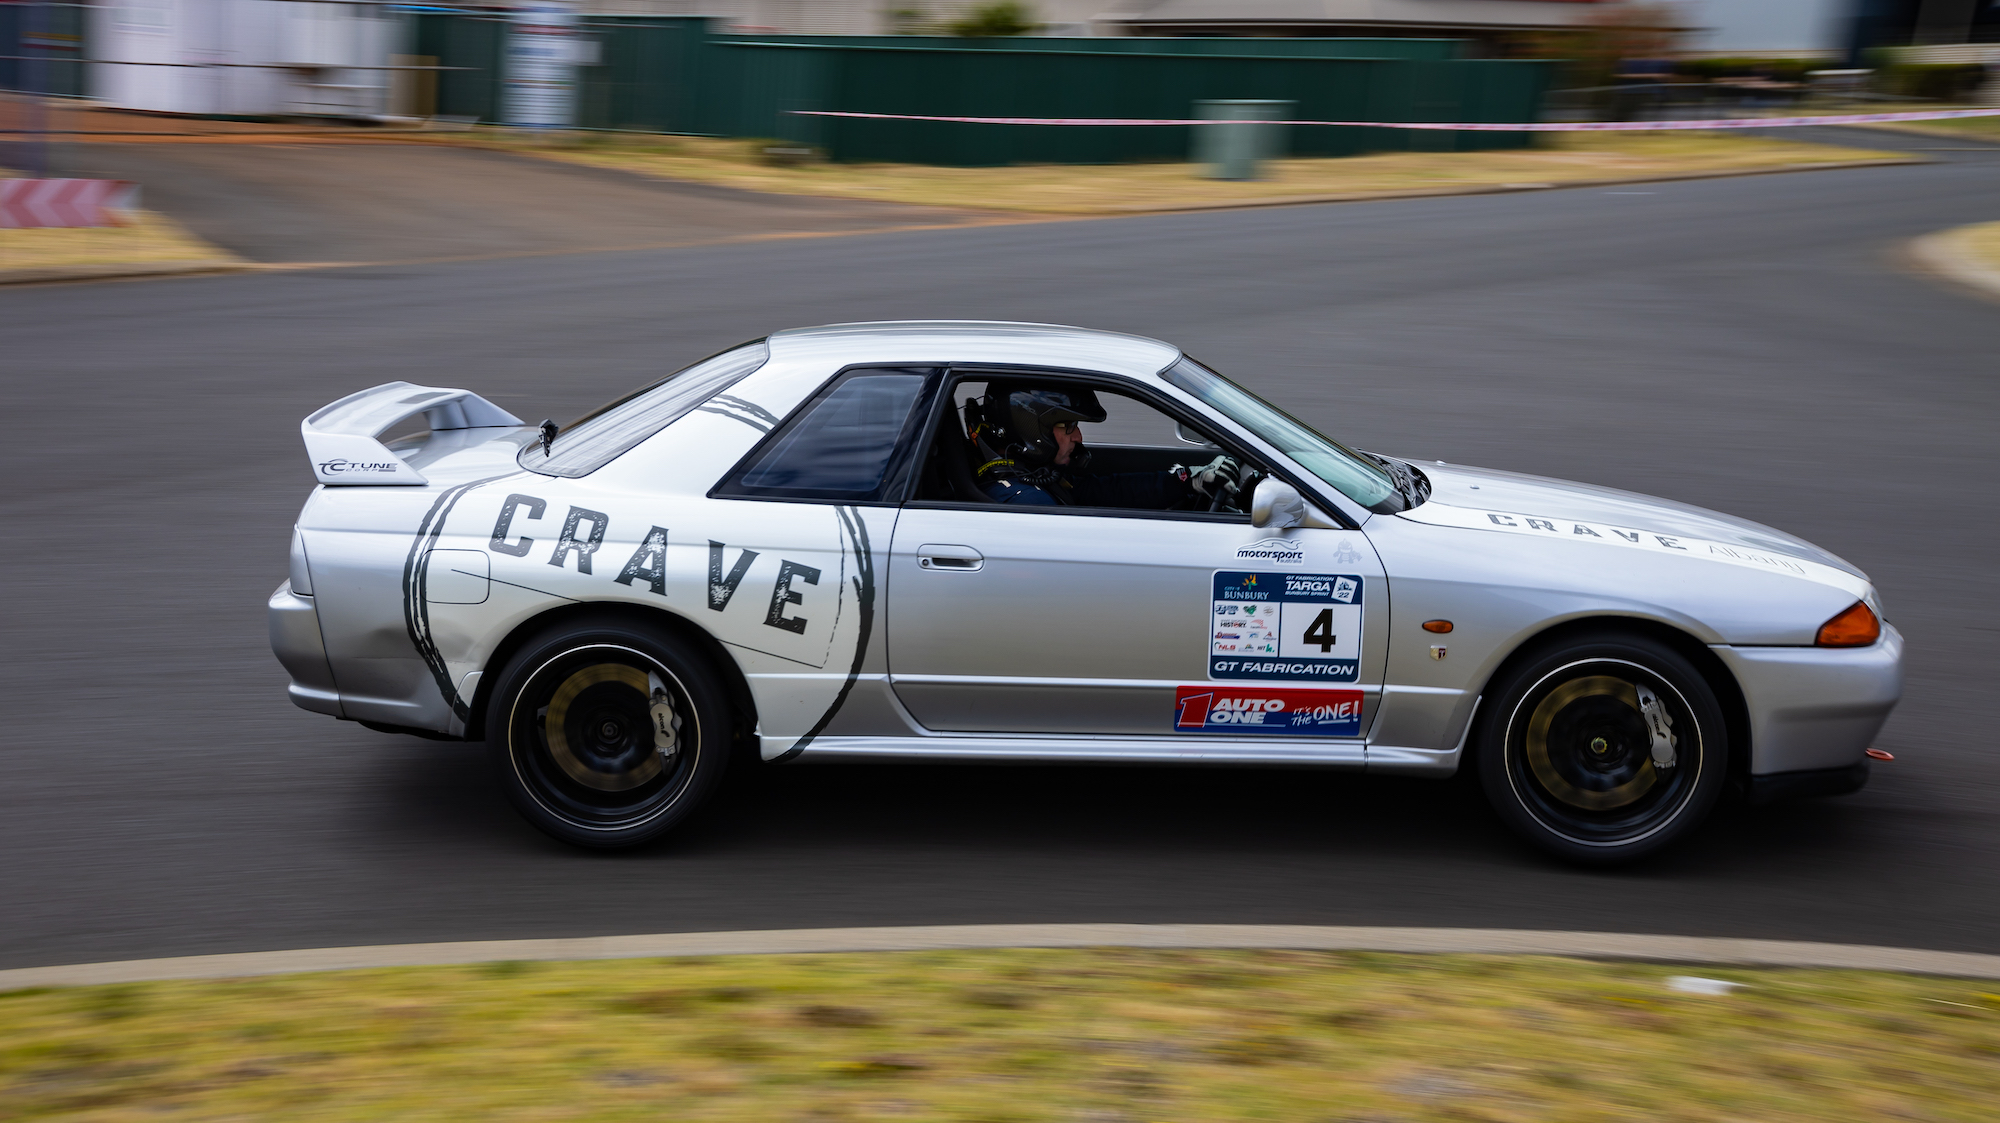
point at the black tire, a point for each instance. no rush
(570, 727)
(1568, 755)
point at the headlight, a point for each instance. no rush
(302, 582)
(1857, 626)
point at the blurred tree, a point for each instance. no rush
(1000, 17)
(1591, 50)
(907, 19)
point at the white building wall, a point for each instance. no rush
(243, 57)
(1769, 27)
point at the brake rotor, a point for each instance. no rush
(618, 717)
(1602, 755)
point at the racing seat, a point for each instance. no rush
(955, 458)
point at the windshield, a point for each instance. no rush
(602, 435)
(1346, 471)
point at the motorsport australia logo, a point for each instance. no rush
(1275, 550)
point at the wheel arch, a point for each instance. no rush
(734, 683)
(1728, 692)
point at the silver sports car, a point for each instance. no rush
(997, 541)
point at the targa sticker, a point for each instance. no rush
(1285, 625)
(1289, 710)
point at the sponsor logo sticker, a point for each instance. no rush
(1288, 711)
(1276, 550)
(337, 465)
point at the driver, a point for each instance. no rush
(1031, 452)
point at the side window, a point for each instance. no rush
(1038, 440)
(842, 446)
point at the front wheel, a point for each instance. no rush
(607, 734)
(1603, 749)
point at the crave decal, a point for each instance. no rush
(1291, 711)
(1285, 626)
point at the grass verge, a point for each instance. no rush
(1985, 129)
(1022, 1035)
(153, 239)
(1981, 243)
(1111, 189)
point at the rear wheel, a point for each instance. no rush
(1603, 749)
(607, 734)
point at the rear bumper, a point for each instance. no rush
(296, 641)
(1814, 709)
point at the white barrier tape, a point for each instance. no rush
(1456, 126)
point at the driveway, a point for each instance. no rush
(354, 202)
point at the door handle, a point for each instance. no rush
(955, 559)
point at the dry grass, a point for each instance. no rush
(1980, 242)
(1111, 189)
(1962, 128)
(1983, 242)
(152, 239)
(1019, 1036)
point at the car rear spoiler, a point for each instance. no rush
(341, 437)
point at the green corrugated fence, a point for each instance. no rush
(980, 83)
(671, 75)
(471, 43)
(1434, 50)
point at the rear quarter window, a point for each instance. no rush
(603, 435)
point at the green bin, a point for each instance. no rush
(1234, 150)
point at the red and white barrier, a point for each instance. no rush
(1459, 126)
(65, 202)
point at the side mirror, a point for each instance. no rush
(1191, 437)
(1276, 505)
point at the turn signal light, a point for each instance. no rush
(1856, 627)
(1438, 626)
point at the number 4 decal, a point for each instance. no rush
(1320, 631)
(1285, 626)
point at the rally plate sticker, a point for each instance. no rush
(1291, 711)
(1285, 626)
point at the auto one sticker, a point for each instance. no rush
(1285, 626)
(1287, 710)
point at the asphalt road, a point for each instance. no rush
(1750, 344)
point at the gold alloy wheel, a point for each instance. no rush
(600, 730)
(1612, 747)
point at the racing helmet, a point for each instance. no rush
(1032, 412)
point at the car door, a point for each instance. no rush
(1076, 621)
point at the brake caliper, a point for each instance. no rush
(666, 723)
(1660, 725)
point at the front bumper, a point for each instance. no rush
(1816, 708)
(1774, 786)
(296, 641)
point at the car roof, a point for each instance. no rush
(977, 341)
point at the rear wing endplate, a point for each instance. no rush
(341, 438)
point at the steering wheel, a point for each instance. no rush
(1244, 474)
